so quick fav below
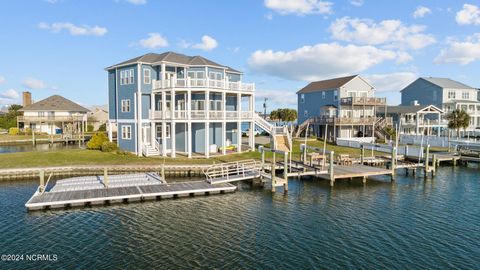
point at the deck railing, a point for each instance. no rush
(71, 118)
(363, 101)
(201, 114)
(202, 83)
(346, 120)
(231, 170)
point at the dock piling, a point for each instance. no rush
(427, 161)
(330, 169)
(285, 173)
(272, 171)
(42, 180)
(105, 177)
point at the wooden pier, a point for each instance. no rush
(98, 190)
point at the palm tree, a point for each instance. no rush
(458, 119)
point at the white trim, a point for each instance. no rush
(145, 76)
(128, 133)
(125, 103)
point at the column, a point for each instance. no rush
(152, 134)
(251, 136)
(189, 139)
(172, 137)
(162, 75)
(239, 136)
(189, 104)
(164, 139)
(207, 140)
(207, 104)
(139, 124)
(110, 132)
(172, 102)
(164, 104)
(224, 105)
(416, 124)
(239, 105)
(224, 137)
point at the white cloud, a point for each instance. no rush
(470, 14)
(208, 43)
(391, 33)
(460, 52)
(318, 62)
(33, 83)
(357, 3)
(2, 79)
(421, 11)
(403, 57)
(154, 41)
(279, 98)
(137, 2)
(10, 94)
(52, 1)
(74, 30)
(269, 16)
(299, 7)
(392, 82)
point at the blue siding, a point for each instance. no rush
(180, 137)
(145, 106)
(215, 134)
(198, 137)
(231, 104)
(313, 102)
(127, 145)
(422, 91)
(231, 135)
(147, 88)
(112, 96)
(127, 92)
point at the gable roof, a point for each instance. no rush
(326, 84)
(446, 83)
(54, 103)
(407, 109)
(173, 57)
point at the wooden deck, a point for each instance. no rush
(83, 192)
(354, 171)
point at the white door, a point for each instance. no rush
(146, 135)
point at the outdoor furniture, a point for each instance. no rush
(344, 159)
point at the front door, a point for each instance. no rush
(146, 135)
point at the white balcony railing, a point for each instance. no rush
(425, 122)
(201, 115)
(202, 83)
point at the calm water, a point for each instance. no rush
(410, 224)
(39, 147)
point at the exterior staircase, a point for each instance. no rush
(380, 125)
(263, 124)
(150, 150)
(303, 126)
(280, 137)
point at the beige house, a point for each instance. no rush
(54, 115)
(97, 117)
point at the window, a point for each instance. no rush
(125, 105)
(126, 132)
(323, 94)
(451, 94)
(302, 98)
(126, 77)
(41, 114)
(130, 81)
(465, 95)
(335, 95)
(147, 79)
(305, 113)
(167, 131)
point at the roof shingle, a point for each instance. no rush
(54, 103)
(326, 84)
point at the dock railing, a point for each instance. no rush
(232, 171)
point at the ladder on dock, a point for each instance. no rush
(232, 171)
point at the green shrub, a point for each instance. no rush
(13, 131)
(90, 128)
(28, 131)
(109, 147)
(102, 127)
(96, 141)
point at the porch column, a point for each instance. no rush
(224, 137)
(172, 138)
(164, 104)
(189, 104)
(189, 139)
(417, 121)
(239, 106)
(110, 132)
(251, 136)
(207, 139)
(152, 134)
(172, 102)
(162, 75)
(207, 105)
(224, 105)
(139, 124)
(164, 139)
(239, 136)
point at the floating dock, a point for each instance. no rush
(96, 190)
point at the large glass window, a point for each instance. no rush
(147, 76)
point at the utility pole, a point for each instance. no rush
(265, 108)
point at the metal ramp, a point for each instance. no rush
(232, 171)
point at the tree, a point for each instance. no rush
(9, 120)
(284, 115)
(458, 119)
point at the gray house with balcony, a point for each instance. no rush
(445, 94)
(170, 103)
(342, 108)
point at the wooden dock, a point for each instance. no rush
(354, 171)
(95, 190)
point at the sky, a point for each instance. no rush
(63, 46)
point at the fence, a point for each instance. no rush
(407, 150)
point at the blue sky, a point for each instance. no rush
(62, 46)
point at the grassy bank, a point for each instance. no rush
(8, 137)
(94, 157)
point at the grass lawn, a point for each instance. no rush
(94, 157)
(7, 137)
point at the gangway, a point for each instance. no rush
(233, 171)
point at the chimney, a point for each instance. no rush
(27, 98)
